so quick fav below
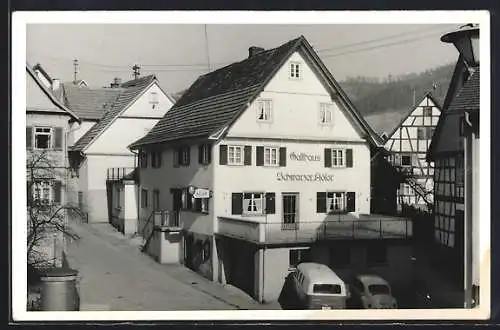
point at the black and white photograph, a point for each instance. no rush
(243, 165)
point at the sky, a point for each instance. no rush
(177, 53)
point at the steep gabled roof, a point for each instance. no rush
(131, 90)
(446, 137)
(216, 99)
(49, 94)
(89, 103)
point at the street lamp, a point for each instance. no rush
(466, 40)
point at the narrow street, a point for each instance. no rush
(115, 275)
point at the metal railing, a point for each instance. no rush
(306, 231)
(117, 173)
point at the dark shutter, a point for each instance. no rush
(145, 159)
(328, 157)
(282, 156)
(175, 157)
(158, 158)
(321, 202)
(259, 156)
(58, 138)
(57, 192)
(197, 204)
(200, 154)
(189, 201)
(188, 151)
(348, 158)
(270, 203)
(209, 147)
(223, 154)
(29, 137)
(237, 203)
(248, 155)
(351, 202)
(29, 193)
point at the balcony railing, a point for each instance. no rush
(117, 173)
(371, 227)
(165, 218)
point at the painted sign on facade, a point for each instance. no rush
(302, 156)
(304, 177)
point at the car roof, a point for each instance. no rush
(371, 279)
(319, 272)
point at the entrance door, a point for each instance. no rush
(177, 205)
(290, 211)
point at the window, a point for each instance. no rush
(338, 157)
(204, 154)
(405, 189)
(290, 211)
(182, 156)
(156, 199)
(235, 155)
(379, 289)
(295, 70)
(264, 110)
(253, 203)
(376, 254)
(427, 111)
(325, 113)
(296, 256)
(200, 205)
(144, 198)
(43, 137)
(327, 288)
(153, 100)
(405, 160)
(271, 156)
(156, 159)
(42, 192)
(425, 133)
(143, 159)
(335, 202)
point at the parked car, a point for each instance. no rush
(371, 292)
(316, 286)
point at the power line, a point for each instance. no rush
(399, 42)
(392, 36)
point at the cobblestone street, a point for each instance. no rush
(115, 275)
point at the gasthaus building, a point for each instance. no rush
(265, 163)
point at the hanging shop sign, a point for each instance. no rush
(304, 157)
(201, 193)
(322, 177)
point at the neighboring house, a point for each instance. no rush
(407, 145)
(129, 110)
(447, 151)
(48, 125)
(265, 163)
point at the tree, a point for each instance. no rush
(47, 213)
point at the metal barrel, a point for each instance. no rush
(59, 290)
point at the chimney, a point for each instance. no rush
(56, 84)
(116, 82)
(254, 50)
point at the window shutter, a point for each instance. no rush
(188, 151)
(57, 192)
(328, 157)
(58, 138)
(223, 154)
(209, 146)
(248, 155)
(145, 159)
(29, 137)
(260, 156)
(348, 158)
(351, 202)
(200, 154)
(189, 201)
(158, 158)
(175, 157)
(29, 193)
(197, 204)
(237, 203)
(270, 203)
(321, 202)
(282, 156)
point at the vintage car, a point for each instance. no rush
(370, 291)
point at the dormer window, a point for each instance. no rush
(153, 100)
(295, 70)
(264, 110)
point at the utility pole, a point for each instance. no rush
(137, 72)
(75, 70)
